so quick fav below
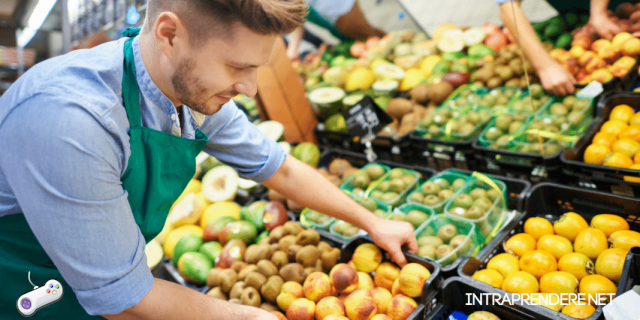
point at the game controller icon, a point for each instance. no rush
(40, 297)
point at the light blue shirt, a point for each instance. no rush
(503, 1)
(331, 10)
(63, 147)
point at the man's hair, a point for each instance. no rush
(204, 18)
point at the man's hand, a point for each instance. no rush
(556, 80)
(606, 28)
(391, 236)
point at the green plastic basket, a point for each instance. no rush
(400, 199)
(447, 175)
(408, 207)
(325, 226)
(470, 245)
(347, 185)
(507, 105)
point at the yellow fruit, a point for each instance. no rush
(613, 126)
(610, 263)
(412, 278)
(520, 282)
(578, 309)
(504, 263)
(412, 78)
(595, 284)
(428, 63)
(177, 234)
(538, 262)
(618, 160)
(557, 245)
(609, 223)
(635, 166)
(624, 239)
(569, 225)
(559, 282)
(520, 243)
(162, 236)
(194, 186)
(591, 242)
(605, 138)
(596, 153)
(619, 38)
(359, 79)
(622, 112)
(367, 257)
(188, 209)
(576, 263)
(635, 120)
(626, 146)
(220, 209)
(546, 300)
(538, 227)
(490, 277)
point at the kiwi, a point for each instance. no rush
(319, 265)
(271, 288)
(428, 251)
(236, 290)
(217, 293)
(426, 240)
(323, 246)
(259, 252)
(307, 256)
(339, 166)
(213, 279)
(255, 279)
(308, 237)
(251, 297)
(286, 241)
(330, 258)
(250, 254)
(292, 228)
(244, 272)
(350, 232)
(292, 251)
(264, 241)
(461, 243)
(275, 247)
(279, 259)
(228, 277)
(238, 266)
(447, 232)
(443, 251)
(293, 272)
(269, 307)
(276, 234)
(267, 268)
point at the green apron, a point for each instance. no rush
(579, 6)
(160, 167)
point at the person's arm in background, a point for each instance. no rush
(294, 42)
(553, 76)
(599, 19)
(301, 183)
(353, 24)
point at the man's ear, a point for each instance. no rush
(170, 34)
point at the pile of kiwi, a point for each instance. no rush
(499, 133)
(290, 253)
(533, 101)
(469, 124)
(473, 205)
(465, 98)
(361, 179)
(433, 123)
(506, 70)
(498, 98)
(530, 143)
(435, 192)
(394, 185)
(570, 111)
(415, 217)
(440, 244)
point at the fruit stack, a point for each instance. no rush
(414, 213)
(617, 144)
(349, 291)
(499, 99)
(445, 239)
(506, 70)
(436, 192)
(567, 256)
(393, 187)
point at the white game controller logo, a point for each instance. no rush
(40, 297)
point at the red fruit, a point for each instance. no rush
(275, 215)
(496, 41)
(456, 78)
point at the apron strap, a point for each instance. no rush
(129, 81)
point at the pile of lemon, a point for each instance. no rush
(568, 256)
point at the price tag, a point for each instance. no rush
(365, 119)
(591, 90)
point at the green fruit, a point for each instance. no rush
(312, 216)
(188, 243)
(398, 217)
(558, 109)
(554, 28)
(483, 203)
(384, 186)
(376, 194)
(503, 121)
(397, 185)
(445, 194)
(262, 235)
(427, 251)
(447, 232)
(430, 188)
(475, 212)
(375, 172)
(430, 240)
(351, 232)
(396, 173)
(457, 184)
(307, 152)
(478, 193)
(493, 194)
(461, 242)
(445, 255)
(441, 67)
(255, 213)
(361, 179)
(451, 56)
(564, 40)
(389, 197)
(336, 123)
(493, 134)
(416, 197)
(479, 51)
(431, 200)
(212, 249)
(194, 267)
(241, 230)
(458, 211)
(341, 226)
(536, 91)
(463, 201)
(212, 230)
(514, 127)
(369, 204)
(416, 218)
(380, 213)
(444, 184)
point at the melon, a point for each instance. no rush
(273, 130)
(327, 100)
(220, 184)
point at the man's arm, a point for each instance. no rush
(185, 303)
(301, 183)
(599, 19)
(553, 76)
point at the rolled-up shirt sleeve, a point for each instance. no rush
(240, 144)
(64, 166)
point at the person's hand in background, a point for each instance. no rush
(556, 79)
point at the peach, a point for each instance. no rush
(381, 317)
(360, 306)
(279, 315)
(602, 75)
(599, 44)
(301, 309)
(317, 286)
(367, 257)
(344, 278)
(572, 65)
(635, 16)
(329, 306)
(401, 307)
(595, 64)
(624, 25)
(577, 51)
(586, 58)
(580, 75)
(625, 62)
(585, 80)
(412, 278)
(336, 317)
(583, 41)
(352, 264)
(630, 47)
(343, 297)
(557, 53)
(365, 281)
(386, 274)
(608, 54)
(395, 288)
(381, 298)
(289, 292)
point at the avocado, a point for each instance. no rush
(241, 230)
(194, 267)
(255, 213)
(188, 243)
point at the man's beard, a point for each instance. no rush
(190, 91)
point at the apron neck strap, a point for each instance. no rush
(130, 89)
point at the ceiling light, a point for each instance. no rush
(38, 15)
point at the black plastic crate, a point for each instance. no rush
(602, 177)
(338, 140)
(389, 149)
(430, 289)
(550, 201)
(442, 154)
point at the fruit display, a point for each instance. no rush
(361, 180)
(445, 239)
(568, 255)
(393, 187)
(557, 30)
(416, 214)
(617, 143)
(461, 124)
(508, 69)
(435, 192)
(499, 99)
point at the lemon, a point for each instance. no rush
(174, 236)
(188, 209)
(412, 78)
(359, 79)
(220, 209)
(429, 63)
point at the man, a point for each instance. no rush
(553, 76)
(97, 144)
(343, 18)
